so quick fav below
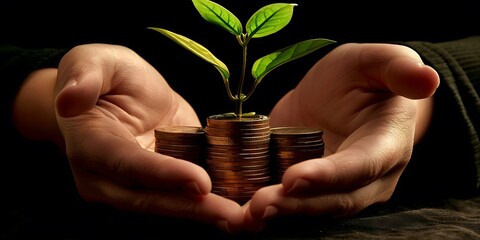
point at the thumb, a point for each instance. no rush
(400, 69)
(411, 79)
(79, 93)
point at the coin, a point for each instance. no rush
(238, 155)
(291, 145)
(183, 142)
(241, 155)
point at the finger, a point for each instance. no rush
(210, 208)
(364, 160)
(126, 162)
(80, 91)
(411, 79)
(256, 212)
(272, 201)
(398, 68)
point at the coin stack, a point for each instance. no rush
(238, 155)
(291, 145)
(183, 142)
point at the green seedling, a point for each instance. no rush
(266, 21)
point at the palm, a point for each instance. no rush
(349, 109)
(127, 99)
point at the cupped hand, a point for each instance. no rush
(372, 102)
(109, 101)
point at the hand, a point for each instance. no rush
(109, 101)
(372, 102)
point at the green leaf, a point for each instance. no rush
(235, 115)
(197, 49)
(249, 114)
(269, 19)
(218, 15)
(266, 64)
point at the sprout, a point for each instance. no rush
(264, 22)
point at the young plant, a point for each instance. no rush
(266, 21)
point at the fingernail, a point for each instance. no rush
(270, 212)
(223, 225)
(300, 185)
(192, 187)
(69, 83)
(257, 228)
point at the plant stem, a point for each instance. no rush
(240, 99)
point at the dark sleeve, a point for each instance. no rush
(15, 65)
(34, 175)
(446, 161)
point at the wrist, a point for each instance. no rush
(33, 108)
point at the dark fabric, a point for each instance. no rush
(445, 219)
(450, 167)
(15, 64)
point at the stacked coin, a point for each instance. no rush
(238, 155)
(290, 145)
(184, 142)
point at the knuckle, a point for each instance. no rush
(345, 206)
(142, 205)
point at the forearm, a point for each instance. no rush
(33, 108)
